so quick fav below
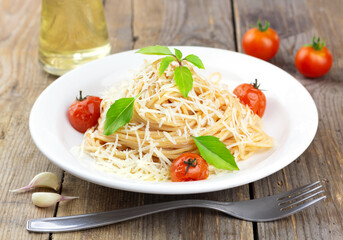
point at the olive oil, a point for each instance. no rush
(72, 32)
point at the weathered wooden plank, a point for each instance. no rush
(181, 22)
(168, 23)
(296, 22)
(119, 19)
(21, 81)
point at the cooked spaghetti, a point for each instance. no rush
(163, 121)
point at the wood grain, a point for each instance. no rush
(179, 23)
(296, 22)
(119, 20)
(21, 81)
(193, 22)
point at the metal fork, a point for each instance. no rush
(259, 210)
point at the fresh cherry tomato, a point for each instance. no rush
(251, 95)
(84, 113)
(313, 60)
(189, 167)
(261, 42)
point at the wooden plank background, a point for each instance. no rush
(137, 23)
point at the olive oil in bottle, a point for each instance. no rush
(72, 33)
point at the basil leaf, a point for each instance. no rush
(182, 75)
(215, 152)
(178, 54)
(184, 80)
(155, 50)
(195, 60)
(165, 63)
(118, 114)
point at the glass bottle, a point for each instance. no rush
(72, 32)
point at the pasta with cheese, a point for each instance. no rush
(163, 121)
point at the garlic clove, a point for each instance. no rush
(45, 199)
(47, 179)
(48, 199)
(43, 179)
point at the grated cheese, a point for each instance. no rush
(169, 137)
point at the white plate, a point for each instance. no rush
(291, 118)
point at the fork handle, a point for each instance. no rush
(92, 220)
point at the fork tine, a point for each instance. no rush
(285, 200)
(288, 193)
(301, 200)
(301, 207)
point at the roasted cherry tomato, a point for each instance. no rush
(261, 42)
(251, 95)
(84, 113)
(313, 60)
(189, 167)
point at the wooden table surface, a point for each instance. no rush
(137, 23)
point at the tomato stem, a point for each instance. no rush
(317, 45)
(80, 98)
(190, 163)
(256, 84)
(262, 28)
